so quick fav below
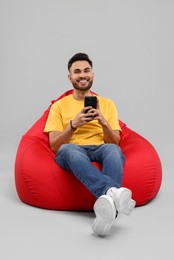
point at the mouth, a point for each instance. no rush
(82, 84)
(83, 81)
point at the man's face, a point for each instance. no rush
(81, 75)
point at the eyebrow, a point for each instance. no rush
(87, 68)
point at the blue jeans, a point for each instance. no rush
(77, 159)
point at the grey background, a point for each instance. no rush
(131, 45)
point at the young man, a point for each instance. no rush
(79, 135)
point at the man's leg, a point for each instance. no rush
(112, 160)
(76, 159)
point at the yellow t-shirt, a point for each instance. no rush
(66, 109)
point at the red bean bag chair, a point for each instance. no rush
(40, 182)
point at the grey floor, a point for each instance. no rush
(31, 233)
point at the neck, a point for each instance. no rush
(80, 95)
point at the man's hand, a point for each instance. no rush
(95, 114)
(86, 115)
(110, 136)
(89, 114)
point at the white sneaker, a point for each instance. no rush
(105, 211)
(122, 199)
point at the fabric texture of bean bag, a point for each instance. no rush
(40, 182)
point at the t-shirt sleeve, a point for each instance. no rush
(54, 122)
(113, 117)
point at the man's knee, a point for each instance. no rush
(114, 150)
(64, 154)
(111, 147)
(66, 147)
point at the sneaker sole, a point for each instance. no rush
(130, 207)
(105, 215)
(124, 203)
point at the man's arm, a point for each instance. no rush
(110, 136)
(57, 138)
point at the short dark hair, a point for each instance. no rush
(78, 57)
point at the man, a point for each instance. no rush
(79, 135)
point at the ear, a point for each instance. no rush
(69, 77)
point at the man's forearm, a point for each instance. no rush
(56, 139)
(110, 136)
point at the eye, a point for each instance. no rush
(77, 71)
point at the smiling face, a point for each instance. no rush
(81, 75)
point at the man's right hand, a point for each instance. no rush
(85, 116)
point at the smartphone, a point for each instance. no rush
(90, 101)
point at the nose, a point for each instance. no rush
(82, 74)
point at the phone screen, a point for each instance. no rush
(91, 101)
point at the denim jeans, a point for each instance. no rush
(77, 159)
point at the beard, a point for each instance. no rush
(75, 85)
